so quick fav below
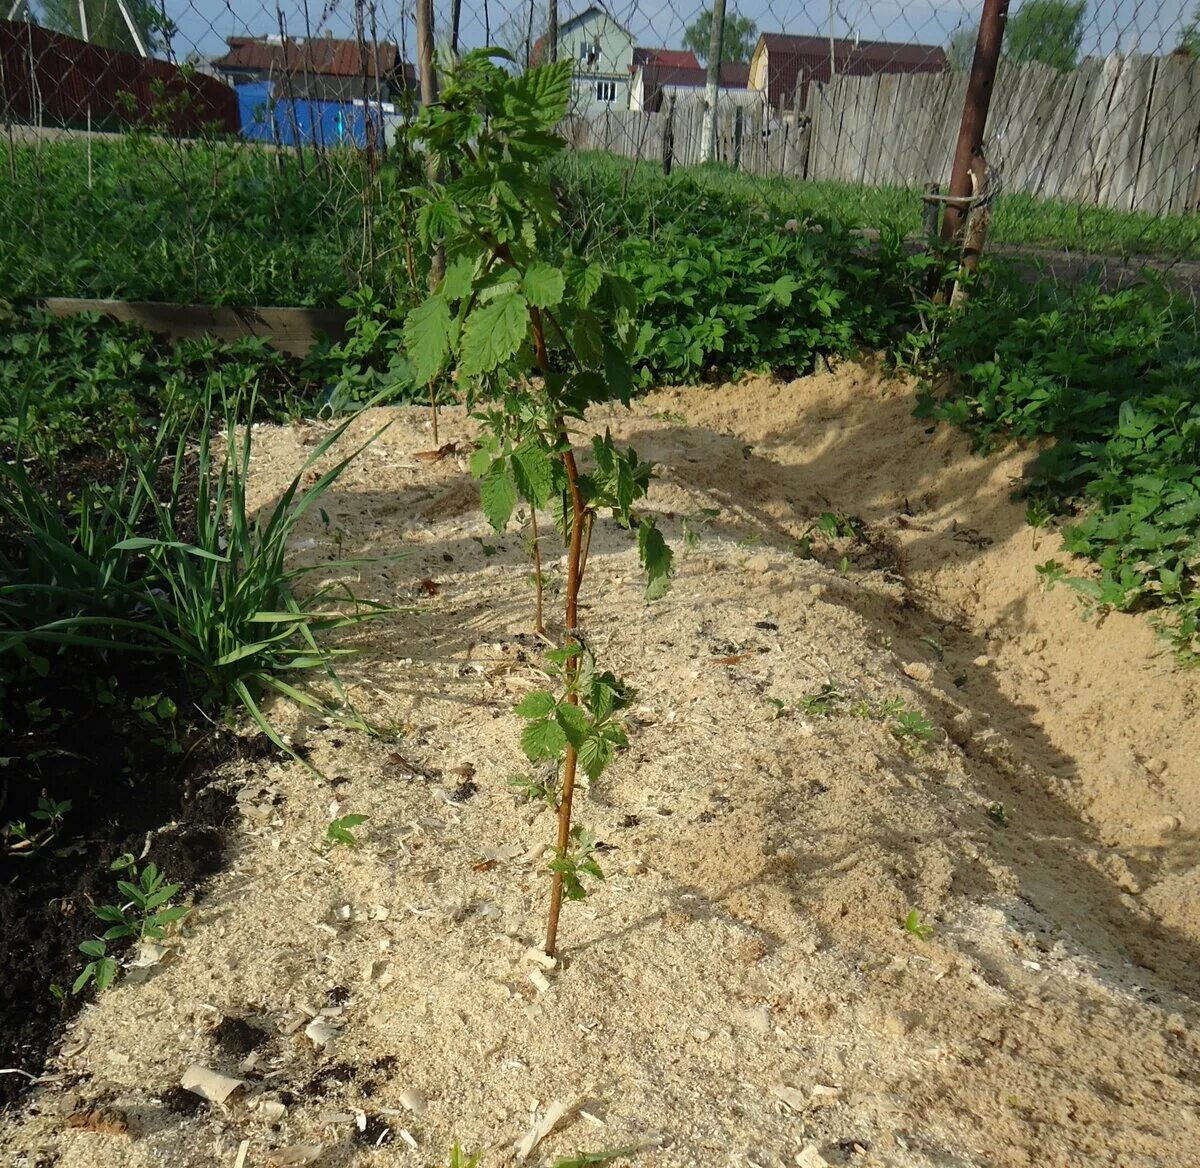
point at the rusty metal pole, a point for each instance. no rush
(968, 153)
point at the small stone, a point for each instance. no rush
(759, 563)
(823, 1096)
(1156, 766)
(414, 1101)
(982, 661)
(918, 671)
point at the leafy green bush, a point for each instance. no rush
(1114, 379)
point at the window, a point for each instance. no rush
(589, 53)
(606, 91)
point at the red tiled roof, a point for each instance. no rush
(806, 58)
(668, 58)
(328, 56)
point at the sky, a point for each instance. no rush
(1148, 26)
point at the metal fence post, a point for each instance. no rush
(974, 117)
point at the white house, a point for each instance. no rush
(602, 51)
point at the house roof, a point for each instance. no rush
(571, 21)
(656, 78)
(668, 58)
(327, 56)
(564, 26)
(794, 58)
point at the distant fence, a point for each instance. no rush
(740, 138)
(1122, 132)
(50, 79)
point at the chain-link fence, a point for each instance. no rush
(162, 149)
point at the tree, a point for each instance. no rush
(737, 40)
(1189, 37)
(1049, 31)
(960, 52)
(105, 24)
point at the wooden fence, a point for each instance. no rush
(741, 142)
(1123, 132)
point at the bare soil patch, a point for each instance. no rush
(741, 989)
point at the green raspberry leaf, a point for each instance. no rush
(427, 337)
(543, 740)
(534, 473)
(493, 333)
(498, 493)
(657, 558)
(543, 285)
(538, 704)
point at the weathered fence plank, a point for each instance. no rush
(1123, 132)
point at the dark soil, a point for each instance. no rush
(236, 1037)
(128, 793)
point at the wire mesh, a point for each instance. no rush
(198, 150)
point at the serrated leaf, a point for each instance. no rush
(594, 756)
(537, 704)
(575, 723)
(427, 337)
(587, 284)
(543, 740)
(545, 92)
(657, 559)
(92, 948)
(480, 463)
(435, 220)
(534, 473)
(543, 285)
(498, 494)
(456, 283)
(493, 333)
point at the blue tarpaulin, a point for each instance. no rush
(267, 115)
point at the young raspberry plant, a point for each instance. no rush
(533, 337)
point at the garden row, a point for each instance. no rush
(140, 600)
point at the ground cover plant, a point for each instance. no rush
(1111, 379)
(535, 335)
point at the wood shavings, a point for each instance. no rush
(294, 1155)
(210, 1084)
(553, 1116)
(793, 1097)
(240, 1159)
(540, 981)
(321, 1032)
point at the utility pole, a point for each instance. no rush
(552, 31)
(708, 129)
